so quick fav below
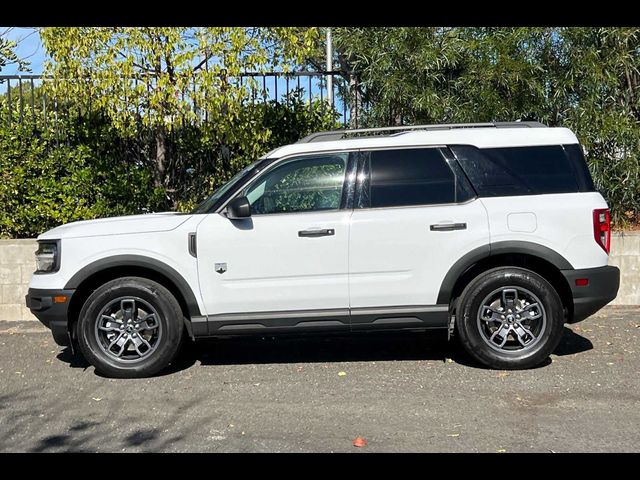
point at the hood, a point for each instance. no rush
(150, 222)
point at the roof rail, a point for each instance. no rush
(342, 134)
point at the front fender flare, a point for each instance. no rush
(139, 261)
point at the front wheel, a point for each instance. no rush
(130, 327)
(509, 318)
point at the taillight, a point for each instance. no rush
(602, 228)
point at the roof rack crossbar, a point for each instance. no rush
(341, 134)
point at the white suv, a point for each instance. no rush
(494, 231)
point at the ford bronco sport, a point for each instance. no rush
(493, 231)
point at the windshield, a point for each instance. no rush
(206, 206)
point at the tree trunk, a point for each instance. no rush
(161, 157)
(160, 170)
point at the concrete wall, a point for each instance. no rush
(17, 264)
(625, 254)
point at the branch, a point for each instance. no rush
(201, 64)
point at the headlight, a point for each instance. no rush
(48, 256)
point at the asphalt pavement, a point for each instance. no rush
(399, 392)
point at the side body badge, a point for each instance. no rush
(220, 267)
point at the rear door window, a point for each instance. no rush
(407, 177)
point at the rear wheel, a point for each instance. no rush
(509, 318)
(130, 327)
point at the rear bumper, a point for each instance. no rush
(51, 314)
(602, 289)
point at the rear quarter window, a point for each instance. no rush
(524, 170)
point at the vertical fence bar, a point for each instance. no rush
(286, 79)
(344, 107)
(21, 100)
(195, 102)
(9, 104)
(298, 78)
(33, 108)
(206, 107)
(333, 100)
(321, 97)
(135, 86)
(44, 104)
(310, 90)
(182, 122)
(150, 86)
(275, 84)
(55, 116)
(355, 99)
(264, 89)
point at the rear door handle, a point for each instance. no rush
(323, 232)
(447, 227)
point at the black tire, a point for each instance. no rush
(474, 340)
(169, 333)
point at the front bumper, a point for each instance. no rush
(602, 289)
(51, 314)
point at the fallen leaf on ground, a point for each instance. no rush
(503, 374)
(453, 435)
(501, 450)
(359, 442)
(97, 399)
(342, 374)
(449, 360)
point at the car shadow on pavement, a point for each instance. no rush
(365, 347)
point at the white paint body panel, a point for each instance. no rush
(82, 244)
(395, 259)
(564, 224)
(147, 223)
(271, 268)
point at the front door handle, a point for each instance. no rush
(447, 227)
(324, 232)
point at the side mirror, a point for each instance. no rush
(239, 208)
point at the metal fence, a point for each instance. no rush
(23, 100)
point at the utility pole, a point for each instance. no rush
(329, 66)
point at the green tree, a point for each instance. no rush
(8, 55)
(586, 79)
(160, 79)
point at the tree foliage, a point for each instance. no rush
(8, 54)
(586, 79)
(154, 80)
(85, 167)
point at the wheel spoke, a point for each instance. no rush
(148, 323)
(122, 344)
(129, 309)
(115, 341)
(531, 312)
(525, 337)
(509, 298)
(501, 335)
(110, 324)
(494, 314)
(140, 340)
